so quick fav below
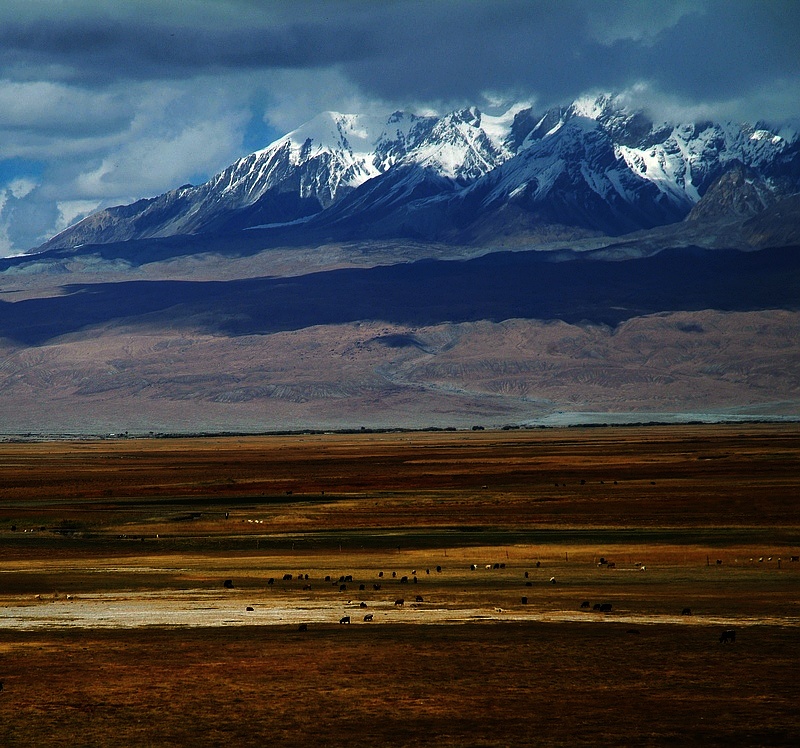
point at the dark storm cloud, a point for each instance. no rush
(98, 50)
(729, 50)
(445, 50)
(716, 50)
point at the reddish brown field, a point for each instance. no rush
(115, 627)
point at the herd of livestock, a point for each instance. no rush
(341, 582)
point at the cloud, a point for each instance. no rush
(414, 49)
(43, 119)
(148, 163)
(697, 50)
(21, 187)
(100, 47)
(159, 135)
(22, 215)
(295, 96)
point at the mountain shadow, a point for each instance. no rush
(494, 287)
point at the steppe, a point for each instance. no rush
(117, 628)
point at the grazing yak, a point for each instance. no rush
(400, 602)
(686, 612)
(368, 617)
(344, 619)
(585, 604)
(228, 584)
(727, 636)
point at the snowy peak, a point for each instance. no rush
(360, 147)
(348, 137)
(597, 164)
(458, 146)
(351, 133)
(401, 133)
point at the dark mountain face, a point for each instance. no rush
(576, 178)
(738, 194)
(496, 287)
(594, 166)
(776, 226)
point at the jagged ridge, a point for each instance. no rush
(595, 166)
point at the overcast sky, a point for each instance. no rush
(104, 102)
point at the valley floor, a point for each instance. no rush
(677, 366)
(344, 337)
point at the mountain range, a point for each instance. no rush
(593, 168)
(580, 263)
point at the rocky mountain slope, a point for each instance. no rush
(595, 167)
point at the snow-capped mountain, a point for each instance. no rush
(594, 166)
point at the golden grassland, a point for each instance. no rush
(116, 629)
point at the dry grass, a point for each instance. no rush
(546, 672)
(488, 685)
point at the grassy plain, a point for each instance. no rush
(115, 627)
